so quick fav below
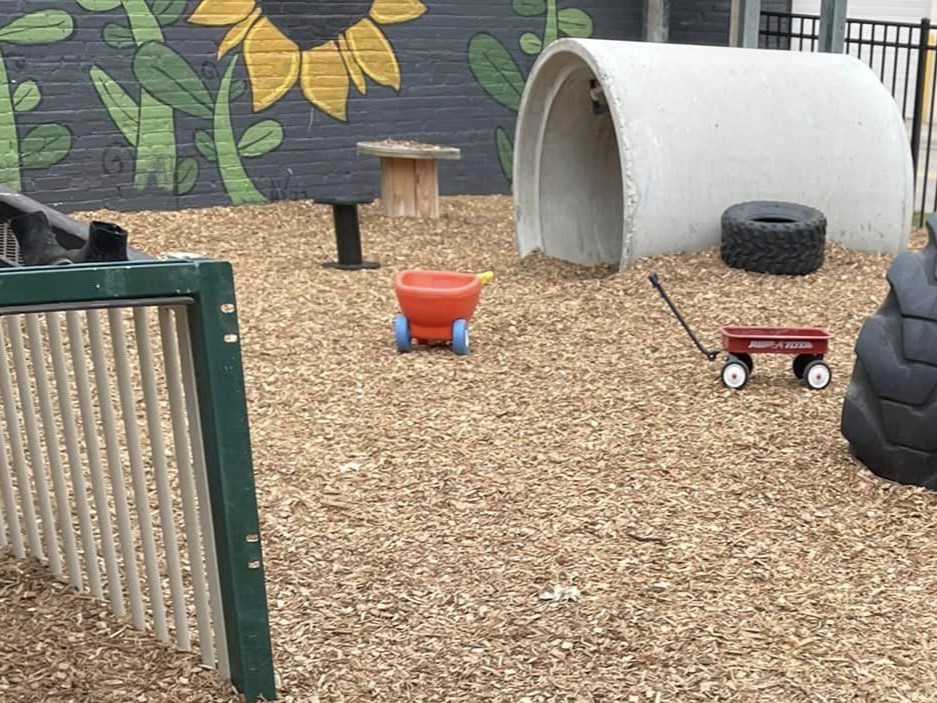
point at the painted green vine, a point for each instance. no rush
(148, 125)
(167, 85)
(220, 145)
(498, 73)
(166, 74)
(43, 145)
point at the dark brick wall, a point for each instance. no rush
(121, 103)
(707, 21)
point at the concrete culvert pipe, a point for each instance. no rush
(633, 149)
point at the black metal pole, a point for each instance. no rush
(347, 233)
(348, 238)
(655, 281)
(917, 118)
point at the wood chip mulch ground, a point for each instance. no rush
(578, 512)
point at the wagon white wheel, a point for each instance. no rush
(734, 374)
(817, 375)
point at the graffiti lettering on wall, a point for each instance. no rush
(43, 145)
(497, 71)
(343, 46)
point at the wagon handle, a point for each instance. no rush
(655, 281)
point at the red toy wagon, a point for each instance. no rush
(807, 344)
(437, 306)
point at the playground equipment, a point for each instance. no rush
(609, 167)
(890, 410)
(786, 239)
(154, 515)
(347, 233)
(437, 307)
(409, 175)
(808, 344)
(39, 246)
(71, 241)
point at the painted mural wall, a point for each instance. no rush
(707, 21)
(167, 104)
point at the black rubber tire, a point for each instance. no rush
(747, 360)
(890, 410)
(746, 376)
(801, 362)
(773, 237)
(809, 369)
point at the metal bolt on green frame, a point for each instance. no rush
(206, 287)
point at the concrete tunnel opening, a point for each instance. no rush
(625, 150)
(580, 186)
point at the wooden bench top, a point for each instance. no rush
(408, 150)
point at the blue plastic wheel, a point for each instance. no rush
(460, 337)
(402, 334)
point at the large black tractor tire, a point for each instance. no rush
(773, 237)
(890, 412)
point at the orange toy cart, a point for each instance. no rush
(436, 306)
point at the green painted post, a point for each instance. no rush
(223, 411)
(832, 26)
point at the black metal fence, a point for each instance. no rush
(901, 55)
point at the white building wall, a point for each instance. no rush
(895, 67)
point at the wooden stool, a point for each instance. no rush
(409, 176)
(347, 233)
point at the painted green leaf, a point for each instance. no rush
(531, 44)
(205, 145)
(495, 70)
(530, 8)
(168, 77)
(238, 185)
(505, 153)
(99, 5)
(238, 88)
(26, 97)
(124, 112)
(45, 145)
(186, 176)
(260, 139)
(117, 36)
(575, 23)
(43, 27)
(168, 11)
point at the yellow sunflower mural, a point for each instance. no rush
(323, 45)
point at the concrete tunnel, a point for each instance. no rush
(632, 149)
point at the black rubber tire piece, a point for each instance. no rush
(773, 237)
(732, 361)
(809, 369)
(801, 361)
(890, 411)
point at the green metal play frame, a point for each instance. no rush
(206, 288)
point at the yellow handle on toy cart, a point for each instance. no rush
(485, 277)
